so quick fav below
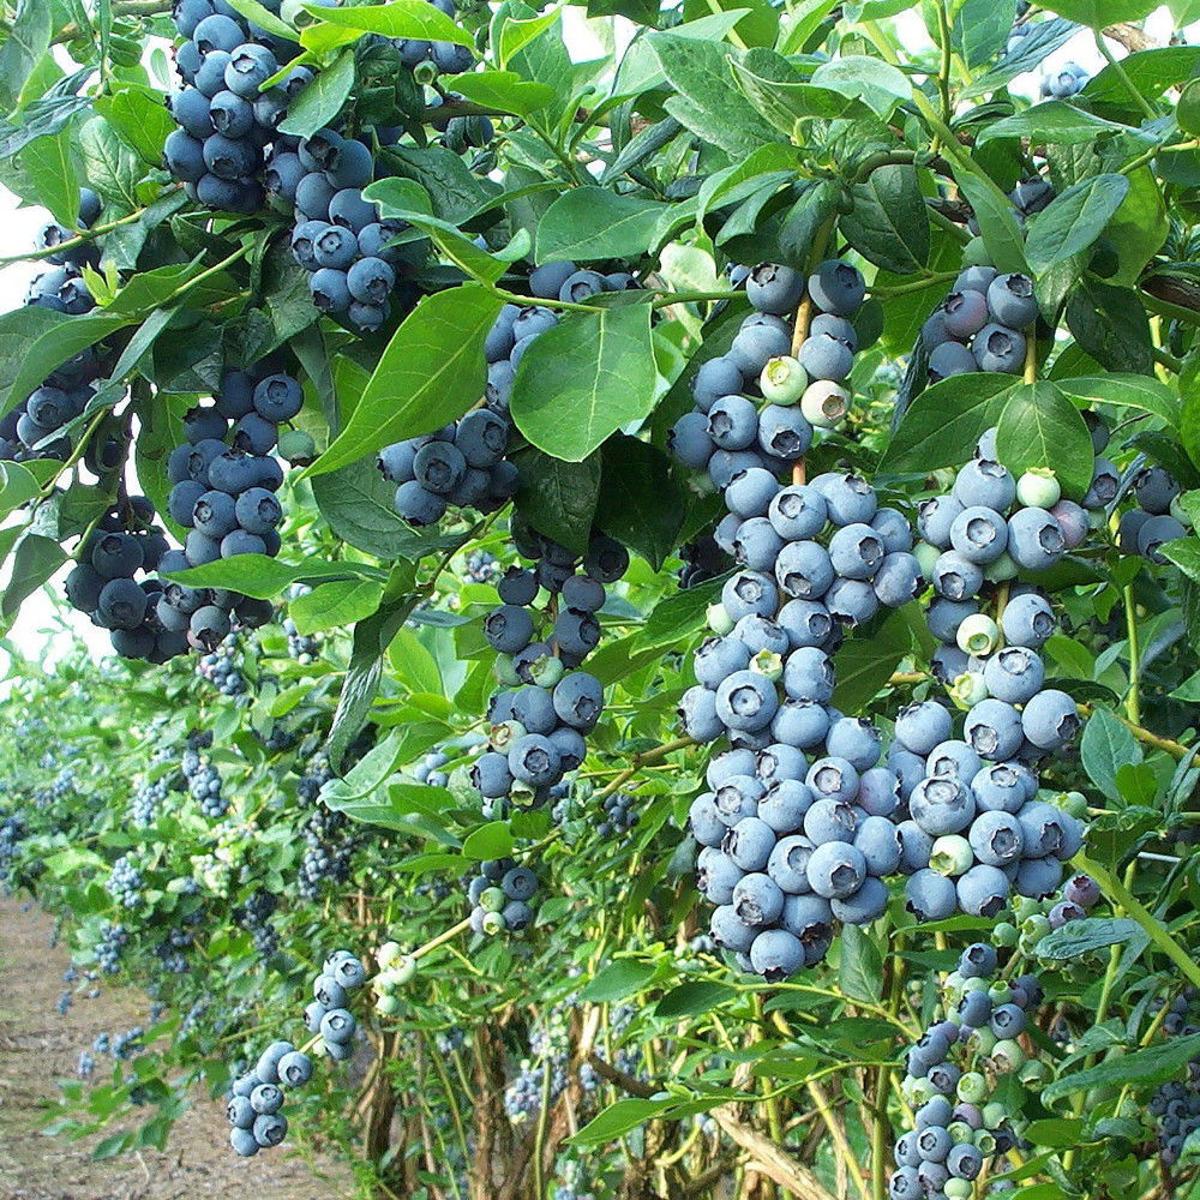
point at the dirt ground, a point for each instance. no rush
(37, 1047)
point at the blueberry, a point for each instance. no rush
(725, 464)
(749, 843)
(849, 498)
(836, 870)
(806, 623)
(757, 342)
(975, 279)
(313, 196)
(117, 555)
(830, 818)
(349, 164)
(877, 839)
(749, 592)
(729, 932)
(808, 675)
(800, 723)
(270, 1129)
(716, 378)
(824, 404)
(930, 896)
(546, 281)
(184, 156)
(1155, 489)
(750, 492)
(757, 900)
(756, 544)
(950, 358)
(784, 432)
(837, 326)
(336, 248)
(746, 700)
(935, 517)
(733, 423)
(348, 208)
(980, 534)
(697, 712)
(243, 1140)
(772, 288)
(825, 357)
(229, 158)
(804, 570)
(982, 891)
(121, 604)
(942, 805)
(1106, 480)
(1155, 532)
(965, 313)
(231, 116)
(993, 729)
(1011, 300)
(371, 280)
(999, 348)
(855, 739)
(329, 289)
(837, 287)
(707, 827)
(856, 551)
(581, 286)
(419, 506)
(1035, 540)
(784, 805)
(1050, 720)
(798, 512)
(776, 954)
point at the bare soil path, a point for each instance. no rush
(38, 1047)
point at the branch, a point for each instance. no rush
(1130, 36)
(626, 1082)
(771, 1160)
(120, 8)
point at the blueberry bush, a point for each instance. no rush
(650, 583)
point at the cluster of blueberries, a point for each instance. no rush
(1176, 1104)
(12, 831)
(396, 970)
(330, 837)
(482, 567)
(224, 479)
(305, 648)
(103, 581)
(35, 427)
(328, 1015)
(500, 897)
(254, 916)
(352, 256)
(957, 1127)
(1033, 918)
(981, 325)
(201, 777)
(757, 405)
(124, 883)
(546, 704)
(1061, 85)
(226, 119)
(113, 940)
(222, 668)
(151, 794)
(1158, 517)
(256, 1098)
(620, 815)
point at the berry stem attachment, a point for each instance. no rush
(1031, 365)
(1133, 699)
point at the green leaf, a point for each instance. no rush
(1055, 121)
(1040, 427)
(1087, 936)
(28, 39)
(18, 485)
(493, 840)
(456, 194)
(693, 998)
(678, 616)
(432, 372)
(585, 378)
(1150, 71)
(358, 504)
(396, 19)
(1073, 221)
(981, 29)
(879, 84)
(1155, 1064)
(51, 169)
(888, 224)
(617, 1119)
(1106, 744)
(559, 498)
(1001, 234)
(860, 975)
(140, 119)
(517, 33)
(1110, 323)
(783, 96)
(322, 98)
(943, 419)
(1099, 14)
(335, 605)
(503, 90)
(625, 977)
(589, 223)
(1129, 395)
(864, 665)
(1185, 554)
(1041, 39)
(36, 560)
(265, 578)
(258, 14)
(707, 101)
(109, 165)
(641, 504)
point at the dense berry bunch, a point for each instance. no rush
(756, 407)
(124, 883)
(1158, 517)
(226, 120)
(448, 57)
(255, 1100)
(222, 668)
(150, 796)
(204, 784)
(113, 940)
(350, 253)
(977, 829)
(103, 581)
(482, 567)
(327, 1015)
(1176, 1105)
(330, 839)
(982, 325)
(500, 897)
(957, 1127)
(305, 648)
(396, 970)
(620, 816)
(547, 705)
(12, 830)
(255, 917)
(224, 481)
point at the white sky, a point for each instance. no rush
(39, 631)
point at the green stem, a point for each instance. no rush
(120, 8)
(669, 298)
(80, 239)
(917, 285)
(953, 228)
(539, 1142)
(1119, 70)
(1133, 701)
(1154, 928)
(944, 71)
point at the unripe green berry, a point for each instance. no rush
(494, 923)
(985, 1142)
(388, 953)
(1074, 803)
(1005, 934)
(1024, 907)
(994, 1115)
(719, 621)
(983, 1040)
(1035, 927)
(503, 734)
(388, 1005)
(506, 672)
(783, 380)
(1000, 993)
(297, 447)
(493, 900)
(825, 404)
(960, 1131)
(405, 970)
(1007, 1056)
(957, 1189)
(546, 671)
(972, 1087)
(967, 690)
(767, 664)
(978, 635)
(1001, 570)
(926, 556)
(951, 855)
(1039, 488)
